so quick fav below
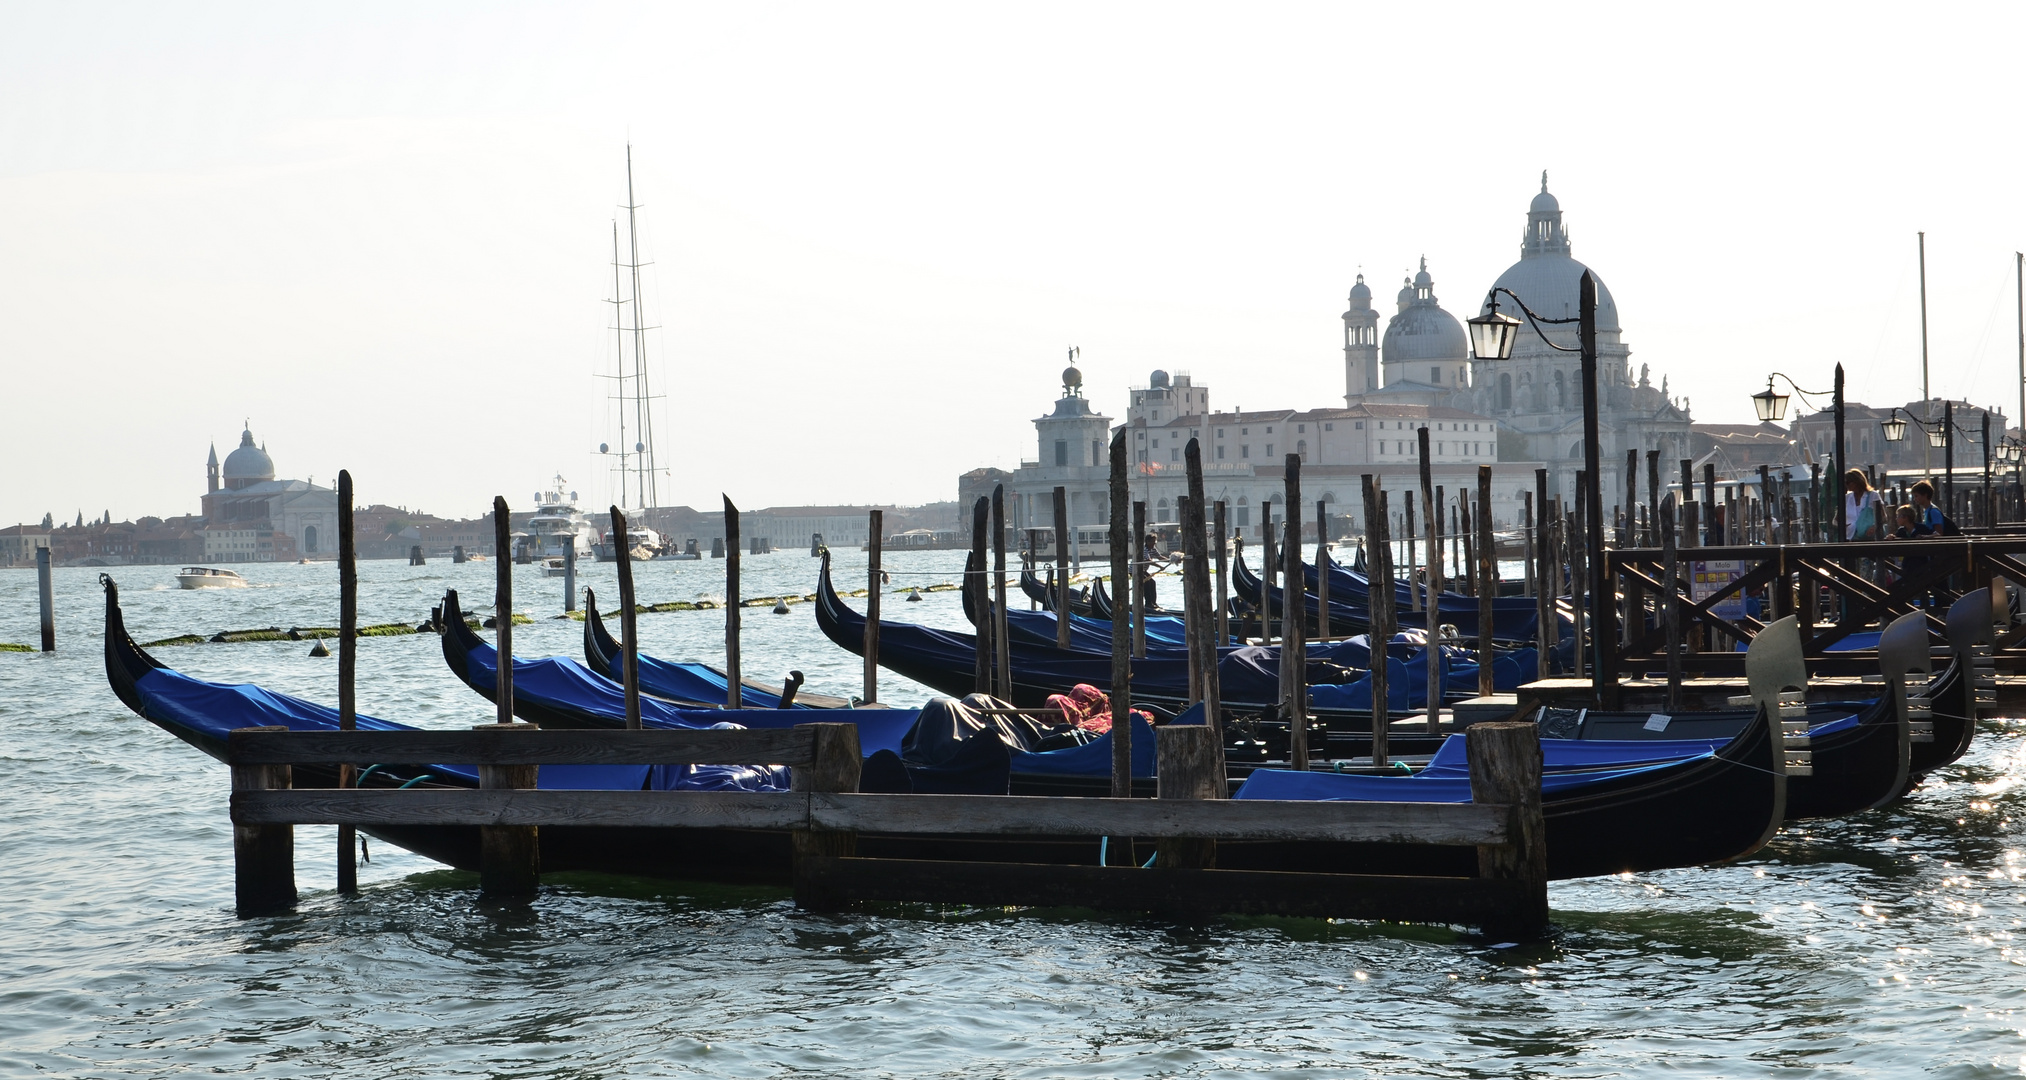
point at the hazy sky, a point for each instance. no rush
(382, 232)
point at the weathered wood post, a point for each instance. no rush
(1413, 571)
(875, 537)
(1141, 571)
(1322, 570)
(1206, 628)
(1627, 537)
(348, 667)
(1670, 560)
(46, 590)
(503, 612)
(1713, 535)
(1653, 492)
(1269, 572)
(1505, 767)
(263, 856)
(1121, 629)
(509, 856)
(1223, 558)
(1001, 649)
(1062, 568)
(1465, 529)
(630, 667)
(1434, 649)
(983, 681)
(1379, 607)
(835, 770)
(1294, 623)
(570, 575)
(1190, 765)
(1547, 631)
(735, 694)
(1487, 583)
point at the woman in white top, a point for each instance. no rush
(1864, 515)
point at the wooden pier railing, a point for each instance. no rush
(824, 814)
(1836, 589)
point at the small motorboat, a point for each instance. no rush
(209, 577)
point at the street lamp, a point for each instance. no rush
(1492, 335)
(1772, 405)
(1942, 434)
(1895, 428)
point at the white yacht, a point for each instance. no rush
(209, 577)
(557, 526)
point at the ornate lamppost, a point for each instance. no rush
(1492, 336)
(1772, 406)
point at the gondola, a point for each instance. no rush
(688, 684)
(1350, 608)
(1037, 591)
(1249, 679)
(204, 713)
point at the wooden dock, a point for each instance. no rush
(825, 815)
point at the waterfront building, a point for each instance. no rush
(242, 495)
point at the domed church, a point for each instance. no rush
(249, 516)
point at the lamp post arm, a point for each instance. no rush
(1536, 320)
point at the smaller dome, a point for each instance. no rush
(1158, 380)
(1361, 291)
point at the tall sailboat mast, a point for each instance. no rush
(619, 357)
(643, 420)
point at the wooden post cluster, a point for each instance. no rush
(875, 538)
(630, 666)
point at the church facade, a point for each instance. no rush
(249, 516)
(1517, 416)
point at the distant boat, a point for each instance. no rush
(557, 526)
(209, 577)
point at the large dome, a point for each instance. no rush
(249, 464)
(1548, 284)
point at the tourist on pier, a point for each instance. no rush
(1864, 515)
(1928, 518)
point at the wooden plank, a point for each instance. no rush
(465, 806)
(1184, 892)
(761, 746)
(1453, 824)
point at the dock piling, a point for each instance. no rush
(46, 590)
(735, 697)
(629, 668)
(875, 536)
(1062, 568)
(1294, 623)
(1487, 582)
(263, 856)
(1001, 648)
(503, 611)
(348, 667)
(1121, 628)
(509, 856)
(834, 771)
(1505, 767)
(570, 575)
(1190, 765)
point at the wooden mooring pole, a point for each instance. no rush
(1294, 624)
(503, 611)
(835, 770)
(1434, 619)
(982, 678)
(570, 574)
(1062, 568)
(1322, 573)
(1378, 574)
(1001, 648)
(1223, 577)
(1121, 627)
(1505, 767)
(1189, 764)
(630, 667)
(348, 667)
(735, 697)
(45, 588)
(1487, 582)
(875, 537)
(1206, 622)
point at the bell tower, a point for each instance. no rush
(211, 472)
(1361, 344)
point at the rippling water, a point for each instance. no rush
(1881, 945)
